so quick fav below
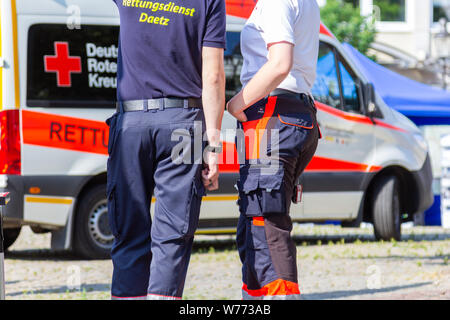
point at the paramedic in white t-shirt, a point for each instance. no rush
(279, 43)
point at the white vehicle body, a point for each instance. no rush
(57, 79)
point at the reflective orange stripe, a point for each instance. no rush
(355, 117)
(258, 221)
(275, 288)
(326, 164)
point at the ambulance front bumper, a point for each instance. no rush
(424, 181)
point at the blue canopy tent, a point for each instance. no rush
(423, 104)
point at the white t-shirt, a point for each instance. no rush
(293, 21)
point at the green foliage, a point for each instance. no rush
(347, 24)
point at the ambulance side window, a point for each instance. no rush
(233, 64)
(349, 89)
(72, 68)
(326, 86)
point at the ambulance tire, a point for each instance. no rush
(10, 236)
(386, 208)
(85, 242)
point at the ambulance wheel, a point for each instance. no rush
(92, 235)
(10, 236)
(387, 209)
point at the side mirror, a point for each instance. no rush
(369, 99)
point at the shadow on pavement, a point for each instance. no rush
(99, 287)
(308, 296)
(41, 254)
(349, 293)
(429, 260)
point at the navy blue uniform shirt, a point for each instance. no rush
(160, 46)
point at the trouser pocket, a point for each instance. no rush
(193, 212)
(273, 194)
(112, 211)
(295, 132)
(176, 214)
(257, 237)
(262, 195)
(112, 123)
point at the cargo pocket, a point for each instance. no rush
(191, 222)
(258, 233)
(262, 195)
(249, 196)
(273, 194)
(299, 120)
(112, 210)
(295, 130)
(111, 122)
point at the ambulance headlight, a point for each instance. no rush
(421, 141)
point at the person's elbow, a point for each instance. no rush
(213, 67)
(214, 78)
(282, 67)
(281, 58)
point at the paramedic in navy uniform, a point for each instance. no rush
(280, 43)
(171, 89)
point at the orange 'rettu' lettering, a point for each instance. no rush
(54, 131)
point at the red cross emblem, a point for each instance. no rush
(62, 64)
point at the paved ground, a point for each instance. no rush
(334, 263)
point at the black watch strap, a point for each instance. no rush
(215, 149)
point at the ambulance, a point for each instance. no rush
(58, 63)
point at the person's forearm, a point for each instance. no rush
(267, 79)
(214, 104)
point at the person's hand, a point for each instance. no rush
(210, 172)
(236, 107)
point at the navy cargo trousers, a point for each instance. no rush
(281, 137)
(151, 256)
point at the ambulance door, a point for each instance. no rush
(67, 75)
(334, 180)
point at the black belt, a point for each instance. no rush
(158, 104)
(292, 94)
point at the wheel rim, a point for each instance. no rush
(99, 230)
